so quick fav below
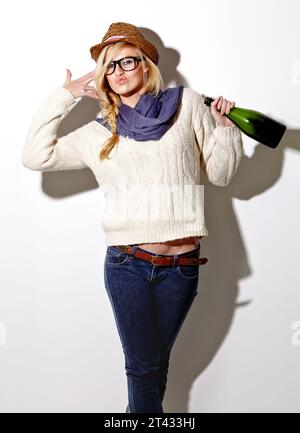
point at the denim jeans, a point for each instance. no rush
(149, 305)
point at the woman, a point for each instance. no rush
(149, 138)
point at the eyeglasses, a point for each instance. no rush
(126, 64)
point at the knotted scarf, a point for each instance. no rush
(150, 118)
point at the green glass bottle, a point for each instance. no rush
(256, 125)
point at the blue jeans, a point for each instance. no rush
(149, 304)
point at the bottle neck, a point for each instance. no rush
(208, 101)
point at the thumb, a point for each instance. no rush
(69, 74)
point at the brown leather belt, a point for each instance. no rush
(162, 260)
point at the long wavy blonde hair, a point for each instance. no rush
(110, 101)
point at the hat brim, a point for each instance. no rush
(95, 50)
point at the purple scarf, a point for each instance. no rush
(150, 118)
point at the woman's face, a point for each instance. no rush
(133, 80)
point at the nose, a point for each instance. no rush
(118, 69)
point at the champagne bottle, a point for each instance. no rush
(256, 125)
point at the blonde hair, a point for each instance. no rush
(110, 101)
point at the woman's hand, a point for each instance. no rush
(225, 106)
(80, 86)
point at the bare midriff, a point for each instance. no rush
(174, 246)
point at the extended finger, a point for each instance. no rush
(89, 74)
(87, 78)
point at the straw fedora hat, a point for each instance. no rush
(128, 33)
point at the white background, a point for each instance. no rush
(236, 352)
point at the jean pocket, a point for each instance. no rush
(116, 257)
(188, 271)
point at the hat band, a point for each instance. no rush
(114, 37)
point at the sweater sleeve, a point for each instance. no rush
(221, 148)
(43, 151)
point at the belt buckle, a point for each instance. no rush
(158, 258)
(153, 258)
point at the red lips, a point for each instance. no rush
(122, 81)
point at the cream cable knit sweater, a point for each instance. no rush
(152, 188)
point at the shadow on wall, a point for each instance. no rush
(213, 312)
(211, 316)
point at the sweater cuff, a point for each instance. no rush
(229, 139)
(61, 100)
(227, 132)
(226, 127)
(62, 95)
